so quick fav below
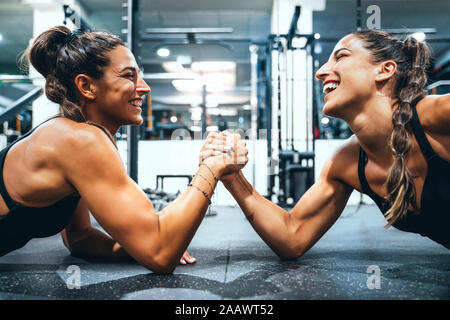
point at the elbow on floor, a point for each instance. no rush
(290, 253)
(160, 265)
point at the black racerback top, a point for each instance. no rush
(22, 223)
(433, 219)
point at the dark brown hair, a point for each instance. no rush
(412, 58)
(60, 55)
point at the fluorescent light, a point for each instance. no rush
(196, 128)
(212, 128)
(184, 60)
(163, 52)
(211, 104)
(1, 37)
(173, 67)
(214, 66)
(187, 85)
(419, 36)
(223, 112)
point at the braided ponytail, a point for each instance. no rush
(400, 183)
(412, 58)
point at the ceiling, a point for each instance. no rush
(249, 19)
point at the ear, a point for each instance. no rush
(86, 86)
(386, 70)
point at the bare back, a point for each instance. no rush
(31, 174)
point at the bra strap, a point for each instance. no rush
(422, 140)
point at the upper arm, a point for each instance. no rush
(435, 113)
(93, 166)
(443, 105)
(319, 208)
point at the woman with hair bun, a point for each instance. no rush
(58, 172)
(399, 154)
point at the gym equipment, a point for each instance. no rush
(295, 149)
(296, 175)
(161, 199)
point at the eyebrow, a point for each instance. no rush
(129, 68)
(340, 49)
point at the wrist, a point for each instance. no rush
(216, 168)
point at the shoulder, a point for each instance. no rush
(434, 113)
(343, 164)
(66, 141)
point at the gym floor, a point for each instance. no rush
(234, 263)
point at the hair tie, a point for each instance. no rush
(70, 36)
(399, 124)
(405, 101)
(399, 155)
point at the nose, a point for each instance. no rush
(323, 72)
(142, 87)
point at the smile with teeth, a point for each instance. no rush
(136, 103)
(330, 86)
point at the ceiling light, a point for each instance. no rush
(317, 36)
(187, 85)
(163, 52)
(1, 37)
(173, 119)
(419, 36)
(211, 104)
(173, 67)
(325, 120)
(214, 66)
(184, 60)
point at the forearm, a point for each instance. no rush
(179, 221)
(273, 224)
(96, 244)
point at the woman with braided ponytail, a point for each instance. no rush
(375, 82)
(58, 172)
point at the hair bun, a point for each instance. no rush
(43, 53)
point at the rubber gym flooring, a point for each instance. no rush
(234, 263)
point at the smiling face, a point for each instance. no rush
(120, 91)
(348, 77)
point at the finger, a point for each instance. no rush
(189, 258)
(219, 147)
(212, 134)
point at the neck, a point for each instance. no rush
(373, 127)
(102, 120)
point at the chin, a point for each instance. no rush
(137, 120)
(330, 110)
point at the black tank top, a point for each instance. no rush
(433, 220)
(22, 223)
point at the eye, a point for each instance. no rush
(338, 57)
(129, 75)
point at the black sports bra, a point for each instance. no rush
(433, 220)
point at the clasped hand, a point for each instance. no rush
(225, 151)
